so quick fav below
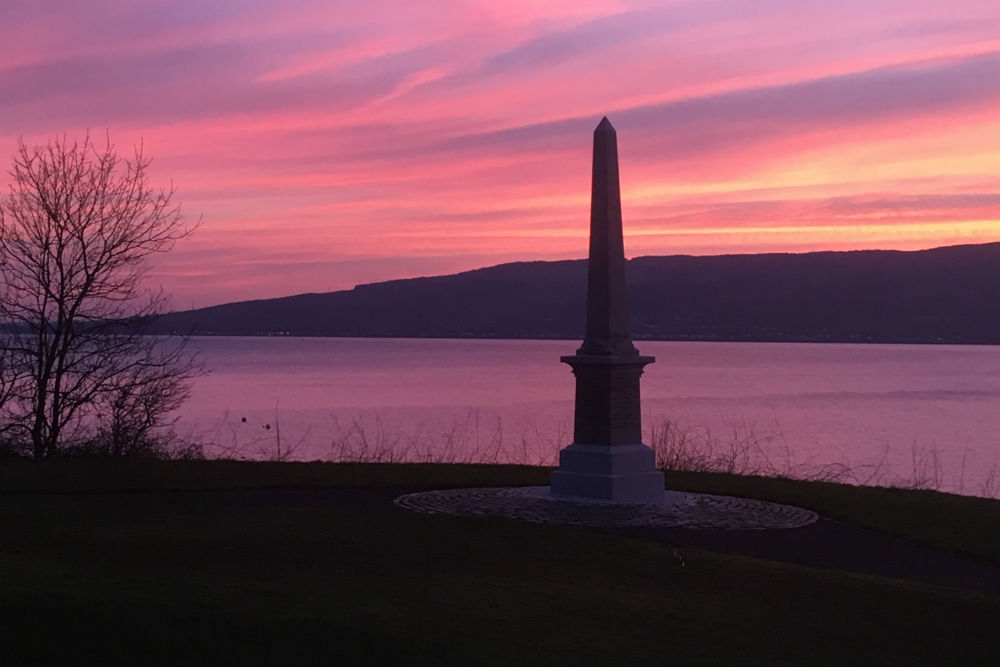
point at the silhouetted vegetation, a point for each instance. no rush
(77, 373)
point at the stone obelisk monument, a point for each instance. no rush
(607, 460)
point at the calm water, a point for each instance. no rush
(887, 414)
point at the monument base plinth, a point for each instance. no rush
(618, 473)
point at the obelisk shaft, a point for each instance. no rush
(607, 332)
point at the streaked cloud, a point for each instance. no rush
(331, 143)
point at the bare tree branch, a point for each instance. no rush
(77, 229)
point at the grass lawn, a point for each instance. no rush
(242, 563)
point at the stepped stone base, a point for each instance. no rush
(618, 473)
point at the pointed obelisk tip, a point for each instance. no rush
(605, 126)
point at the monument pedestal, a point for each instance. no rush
(622, 474)
(607, 460)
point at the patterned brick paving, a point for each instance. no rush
(679, 509)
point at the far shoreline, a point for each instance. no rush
(776, 341)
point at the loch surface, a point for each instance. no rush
(885, 414)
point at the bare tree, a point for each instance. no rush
(77, 229)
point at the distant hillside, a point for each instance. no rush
(940, 295)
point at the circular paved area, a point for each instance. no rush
(678, 509)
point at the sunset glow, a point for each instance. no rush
(325, 144)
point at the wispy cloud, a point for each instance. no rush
(331, 143)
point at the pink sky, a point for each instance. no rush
(326, 144)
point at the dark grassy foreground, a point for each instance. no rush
(236, 563)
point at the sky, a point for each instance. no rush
(324, 144)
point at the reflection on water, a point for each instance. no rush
(875, 413)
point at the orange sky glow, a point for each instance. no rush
(326, 144)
